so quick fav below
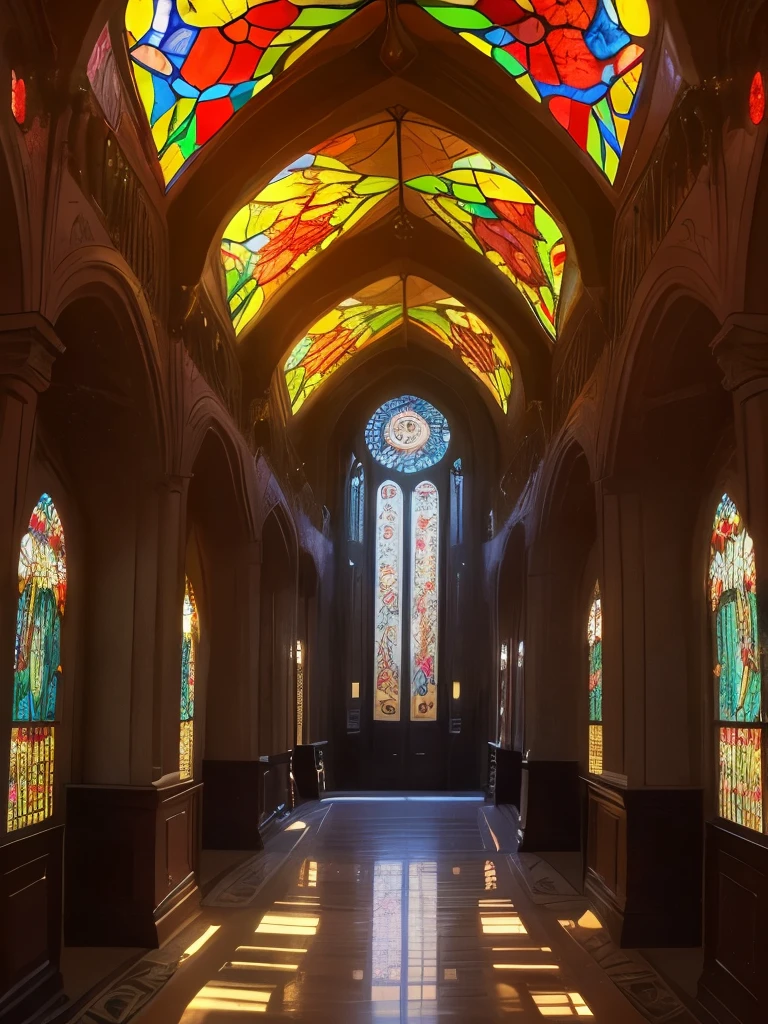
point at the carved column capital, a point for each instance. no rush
(28, 349)
(741, 349)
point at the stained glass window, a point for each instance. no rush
(457, 503)
(299, 691)
(349, 327)
(459, 328)
(196, 64)
(757, 99)
(582, 59)
(407, 434)
(190, 637)
(377, 310)
(357, 503)
(37, 666)
(18, 99)
(387, 657)
(595, 641)
(736, 654)
(365, 173)
(425, 558)
(499, 217)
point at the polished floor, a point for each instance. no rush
(387, 910)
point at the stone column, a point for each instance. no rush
(28, 348)
(29, 971)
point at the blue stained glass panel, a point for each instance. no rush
(407, 435)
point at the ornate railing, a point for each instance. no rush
(684, 148)
(577, 365)
(213, 354)
(528, 452)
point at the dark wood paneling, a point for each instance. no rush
(644, 863)
(309, 769)
(30, 922)
(734, 983)
(275, 789)
(551, 812)
(504, 775)
(131, 863)
(231, 800)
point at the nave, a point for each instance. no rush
(383, 406)
(400, 909)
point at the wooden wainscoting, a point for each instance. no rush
(551, 806)
(231, 799)
(30, 922)
(131, 863)
(734, 985)
(275, 789)
(644, 863)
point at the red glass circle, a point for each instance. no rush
(18, 98)
(757, 99)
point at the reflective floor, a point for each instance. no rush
(386, 911)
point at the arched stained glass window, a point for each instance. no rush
(364, 174)
(737, 670)
(584, 60)
(425, 582)
(407, 434)
(190, 637)
(37, 666)
(595, 641)
(357, 503)
(196, 64)
(372, 314)
(387, 658)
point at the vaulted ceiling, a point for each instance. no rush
(346, 176)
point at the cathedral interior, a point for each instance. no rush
(383, 511)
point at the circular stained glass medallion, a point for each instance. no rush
(407, 434)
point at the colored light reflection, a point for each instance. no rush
(502, 925)
(561, 1004)
(232, 999)
(387, 939)
(199, 943)
(287, 924)
(422, 932)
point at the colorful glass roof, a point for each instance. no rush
(373, 313)
(582, 58)
(375, 166)
(407, 435)
(195, 64)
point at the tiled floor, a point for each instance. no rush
(388, 911)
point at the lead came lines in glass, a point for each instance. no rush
(388, 621)
(425, 527)
(737, 670)
(37, 666)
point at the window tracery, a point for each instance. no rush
(737, 668)
(42, 576)
(390, 160)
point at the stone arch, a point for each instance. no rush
(98, 423)
(296, 116)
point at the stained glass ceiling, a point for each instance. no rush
(373, 313)
(582, 58)
(389, 161)
(196, 64)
